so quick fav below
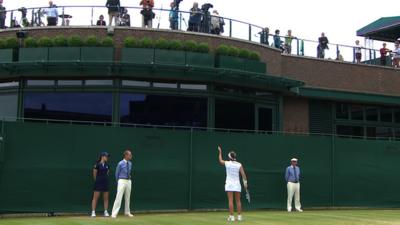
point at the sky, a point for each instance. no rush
(339, 19)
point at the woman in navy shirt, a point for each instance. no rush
(100, 176)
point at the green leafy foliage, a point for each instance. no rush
(75, 41)
(60, 41)
(203, 48)
(146, 43)
(12, 42)
(30, 43)
(45, 42)
(92, 41)
(107, 42)
(162, 44)
(131, 42)
(175, 45)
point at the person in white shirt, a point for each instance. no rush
(357, 51)
(232, 185)
(216, 23)
(52, 14)
(396, 54)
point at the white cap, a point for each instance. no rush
(293, 160)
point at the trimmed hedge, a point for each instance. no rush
(45, 42)
(30, 43)
(92, 41)
(226, 50)
(162, 43)
(60, 41)
(75, 41)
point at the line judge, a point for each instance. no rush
(123, 177)
(292, 177)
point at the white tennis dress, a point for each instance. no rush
(232, 183)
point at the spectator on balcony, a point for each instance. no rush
(288, 42)
(125, 18)
(195, 18)
(264, 36)
(277, 40)
(113, 11)
(52, 14)
(357, 51)
(217, 23)
(384, 53)
(173, 17)
(147, 13)
(101, 21)
(322, 46)
(396, 54)
(3, 15)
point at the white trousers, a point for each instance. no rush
(124, 189)
(293, 189)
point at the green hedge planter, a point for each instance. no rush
(170, 57)
(6, 55)
(67, 54)
(97, 54)
(33, 54)
(200, 59)
(229, 62)
(138, 55)
(255, 66)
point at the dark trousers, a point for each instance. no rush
(51, 21)
(383, 61)
(195, 27)
(2, 22)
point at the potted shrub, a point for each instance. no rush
(61, 52)
(138, 51)
(169, 52)
(94, 51)
(253, 63)
(35, 50)
(227, 57)
(198, 54)
(7, 47)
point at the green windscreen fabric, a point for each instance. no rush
(48, 168)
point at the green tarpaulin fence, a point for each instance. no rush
(47, 168)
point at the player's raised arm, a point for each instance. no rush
(221, 161)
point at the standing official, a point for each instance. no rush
(292, 177)
(123, 177)
(52, 14)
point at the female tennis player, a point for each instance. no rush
(232, 184)
(100, 176)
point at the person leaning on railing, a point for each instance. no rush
(288, 42)
(396, 54)
(52, 14)
(195, 18)
(173, 17)
(147, 13)
(3, 15)
(101, 21)
(322, 46)
(277, 41)
(113, 11)
(217, 23)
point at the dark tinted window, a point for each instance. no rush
(354, 131)
(386, 115)
(342, 111)
(379, 132)
(94, 107)
(234, 115)
(357, 112)
(163, 110)
(397, 115)
(372, 114)
(397, 133)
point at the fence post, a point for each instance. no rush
(249, 32)
(230, 28)
(180, 20)
(91, 17)
(337, 52)
(190, 180)
(12, 19)
(354, 55)
(333, 171)
(298, 47)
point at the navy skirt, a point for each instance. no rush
(101, 184)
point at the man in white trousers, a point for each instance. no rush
(292, 177)
(123, 177)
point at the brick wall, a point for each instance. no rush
(295, 115)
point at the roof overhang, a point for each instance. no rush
(383, 29)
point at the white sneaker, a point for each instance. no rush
(239, 218)
(93, 214)
(128, 215)
(299, 210)
(106, 214)
(113, 217)
(231, 219)
(289, 210)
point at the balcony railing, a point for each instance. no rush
(88, 15)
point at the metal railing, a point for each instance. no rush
(191, 128)
(87, 15)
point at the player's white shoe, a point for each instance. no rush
(93, 214)
(299, 210)
(231, 218)
(128, 215)
(106, 214)
(239, 218)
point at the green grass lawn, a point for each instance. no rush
(328, 217)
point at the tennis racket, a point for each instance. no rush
(248, 195)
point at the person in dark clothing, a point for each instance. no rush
(173, 17)
(195, 18)
(101, 171)
(277, 41)
(113, 11)
(101, 21)
(322, 46)
(3, 15)
(125, 18)
(264, 35)
(384, 52)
